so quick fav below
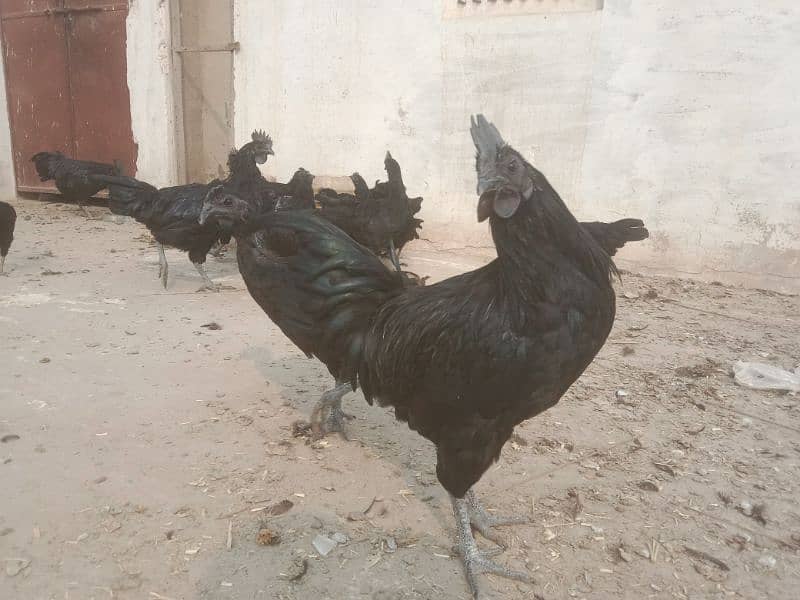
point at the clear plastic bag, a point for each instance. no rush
(765, 377)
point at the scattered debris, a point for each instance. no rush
(623, 397)
(267, 537)
(229, 541)
(44, 360)
(575, 507)
(726, 498)
(323, 544)
(698, 371)
(11, 437)
(340, 538)
(297, 568)
(767, 562)
(213, 326)
(759, 376)
(628, 350)
(6, 531)
(754, 511)
(389, 545)
(649, 486)
(666, 468)
(623, 554)
(706, 557)
(101, 479)
(280, 508)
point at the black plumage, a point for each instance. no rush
(73, 177)
(462, 361)
(172, 214)
(613, 236)
(382, 219)
(8, 219)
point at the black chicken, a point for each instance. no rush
(382, 219)
(73, 177)
(245, 178)
(463, 361)
(8, 219)
(171, 214)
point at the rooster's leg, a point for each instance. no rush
(394, 256)
(475, 561)
(328, 415)
(2, 265)
(83, 208)
(208, 285)
(484, 522)
(163, 267)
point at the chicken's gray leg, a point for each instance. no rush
(208, 285)
(475, 561)
(328, 415)
(394, 256)
(2, 265)
(483, 521)
(163, 267)
(85, 210)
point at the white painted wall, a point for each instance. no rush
(151, 90)
(7, 182)
(683, 113)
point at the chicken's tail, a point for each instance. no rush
(613, 236)
(127, 196)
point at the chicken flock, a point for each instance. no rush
(462, 361)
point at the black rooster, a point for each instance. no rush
(462, 361)
(73, 177)
(8, 219)
(171, 214)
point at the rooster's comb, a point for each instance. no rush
(260, 136)
(486, 137)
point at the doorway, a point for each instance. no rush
(66, 79)
(204, 47)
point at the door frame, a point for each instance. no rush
(178, 50)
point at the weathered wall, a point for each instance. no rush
(683, 113)
(151, 89)
(693, 123)
(7, 184)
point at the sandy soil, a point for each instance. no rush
(143, 451)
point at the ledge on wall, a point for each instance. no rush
(460, 9)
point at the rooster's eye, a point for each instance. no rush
(512, 166)
(227, 202)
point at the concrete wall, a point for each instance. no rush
(682, 113)
(7, 184)
(153, 115)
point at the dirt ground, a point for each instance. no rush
(145, 454)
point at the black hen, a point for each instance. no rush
(382, 219)
(171, 214)
(73, 177)
(465, 360)
(8, 219)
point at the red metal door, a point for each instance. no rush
(98, 80)
(66, 81)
